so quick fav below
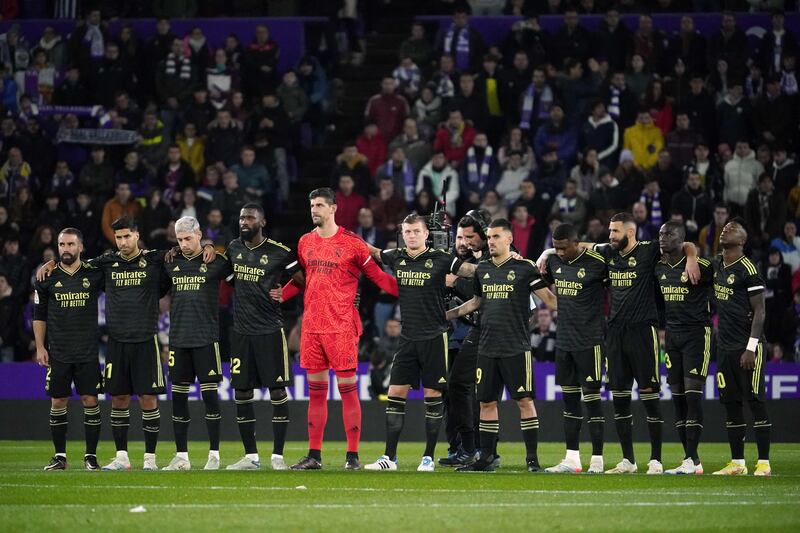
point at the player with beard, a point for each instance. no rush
(66, 333)
(332, 259)
(470, 247)
(260, 355)
(631, 344)
(739, 294)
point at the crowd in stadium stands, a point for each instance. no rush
(540, 127)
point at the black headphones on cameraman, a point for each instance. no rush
(482, 218)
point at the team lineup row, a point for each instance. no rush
(482, 272)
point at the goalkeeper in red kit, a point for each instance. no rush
(332, 259)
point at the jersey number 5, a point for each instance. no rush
(171, 360)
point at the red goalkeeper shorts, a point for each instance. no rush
(337, 351)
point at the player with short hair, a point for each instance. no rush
(194, 339)
(502, 291)
(579, 275)
(259, 352)
(332, 259)
(66, 333)
(739, 294)
(423, 351)
(134, 282)
(688, 339)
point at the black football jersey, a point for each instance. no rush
(734, 284)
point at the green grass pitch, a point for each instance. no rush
(335, 500)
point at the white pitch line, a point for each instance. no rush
(651, 492)
(398, 506)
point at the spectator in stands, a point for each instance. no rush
(550, 176)
(215, 231)
(199, 110)
(639, 77)
(387, 109)
(508, 186)
(348, 203)
(367, 230)
(454, 138)
(689, 46)
(584, 174)
(428, 107)
(601, 134)
(741, 175)
(620, 101)
(224, 141)
(471, 104)
(381, 361)
(14, 264)
(488, 87)
(175, 77)
(354, 164)
(15, 173)
(252, 177)
(72, 91)
(462, 41)
(87, 42)
(595, 231)
(777, 276)
(557, 134)
(783, 170)
(770, 118)
(729, 44)
(126, 114)
(543, 336)
(294, 100)
(441, 181)
(110, 76)
(571, 41)
(388, 207)
(154, 219)
(513, 82)
(221, 79)
(416, 46)
(122, 204)
(607, 198)
(400, 172)
(537, 100)
(479, 172)
(7, 319)
(192, 148)
(645, 229)
(528, 35)
(660, 108)
(681, 141)
(260, 64)
(230, 200)
(446, 79)
(407, 78)
(190, 205)
(578, 88)
(373, 146)
(788, 244)
(62, 184)
(569, 205)
(198, 49)
(154, 140)
(765, 213)
(613, 40)
(174, 176)
(670, 178)
(693, 203)
(136, 175)
(515, 141)
(648, 42)
(97, 176)
(416, 149)
(699, 107)
(523, 228)
(644, 140)
(491, 202)
(53, 47)
(734, 116)
(84, 216)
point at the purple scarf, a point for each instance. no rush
(530, 104)
(462, 46)
(409, 183)
(475, 174)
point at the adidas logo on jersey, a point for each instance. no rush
(279, 378)
(663, 276)
(442, 380)
(403, 262)
(58, 284)
(115, 265)
(589, 379)
(558, 271)
(154, 385)
(486, 276)
(176, 269)
(521, 389)
(239, 256)
(693, 371)
(212, 373)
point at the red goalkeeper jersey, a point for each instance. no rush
(332, 269)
